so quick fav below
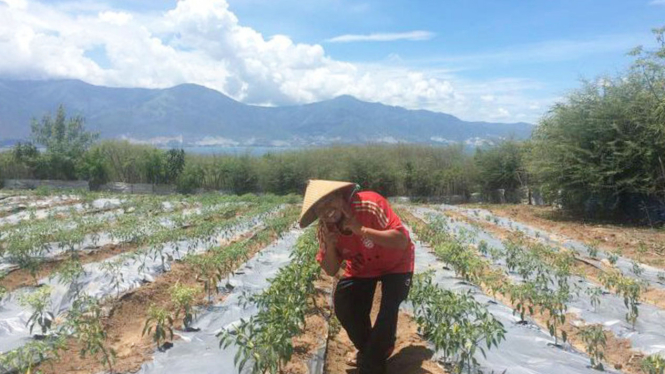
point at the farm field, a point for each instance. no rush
(93, 283)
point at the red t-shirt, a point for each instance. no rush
(364, 258)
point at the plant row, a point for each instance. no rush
(455, 323)
(545, 287)
(593, 250)
(27, 251)
(85, 320)
(544, 266)
(265, 340)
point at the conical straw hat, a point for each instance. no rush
(317, 190)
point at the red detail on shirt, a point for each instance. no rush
(365, 259)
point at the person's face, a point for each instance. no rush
(329, 210)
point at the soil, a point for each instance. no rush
(127, 317)
(306, 345)
(411, 354)
(610, 237)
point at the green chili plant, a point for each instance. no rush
(637, 269)
(26, 357)
(183, 299)
(160, 325)
(613, 258)
(69, 273)
(554, 303)
(523, 297)
(3, 290)
(39, 301)
(113, 270)
(594, 294)
(205, 272)
(85, 323)
(592, 248)
(265, 340)
(595, 342)
(629, 288)
(455, 323)
(654, 364)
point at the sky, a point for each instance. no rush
(480, 60)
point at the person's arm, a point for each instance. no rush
(386, 238)
(390, 238)
(330, 261)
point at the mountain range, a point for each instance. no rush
(194, 115)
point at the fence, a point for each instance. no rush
(118, 187)
(31, 184)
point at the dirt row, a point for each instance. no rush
(411, 354)
(642, 244)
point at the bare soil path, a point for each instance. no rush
(643, 244)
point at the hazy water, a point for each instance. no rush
(254, 151)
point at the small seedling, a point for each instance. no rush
(85, 322)
(593, 249)
(637, 269)
(160, 325)
(594, 294)
(654, 364)
(613, 258)
(113, 270)
(595, 342)
(661, 277)
(39, 301)
(642, 249)
(183, 299)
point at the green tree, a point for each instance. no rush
(65, 141)
(604, 144)
(93, 168)
(175, 164)
(243, 175)
(502, 167)
(154, 166)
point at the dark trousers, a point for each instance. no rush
(353, 304)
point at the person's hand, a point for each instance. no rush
(329, 237)
(351, 223)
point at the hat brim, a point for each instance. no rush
(309, 216)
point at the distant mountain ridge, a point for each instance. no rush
(196, 115)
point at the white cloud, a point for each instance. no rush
(17, 4)
(501, 113)
(657, 2)
(383, 37)
(203, 42)
(115, 18)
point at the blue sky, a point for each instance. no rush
(494, 60)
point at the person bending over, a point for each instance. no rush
(359, 233)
